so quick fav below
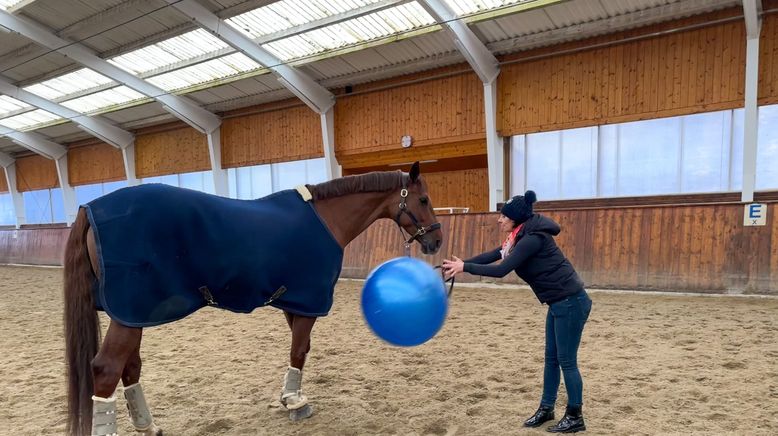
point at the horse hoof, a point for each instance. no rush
(301, 413)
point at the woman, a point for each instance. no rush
(530, 250)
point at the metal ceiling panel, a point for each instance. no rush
(364, 59)
(135, 113)
(469, 7)
(10, 42)
(348, 64)
(267, 97)
(64, 130)
(256, 84)
(23, 69)
(434, 43)
(58, 14)
(575, 12)
(10, 147)
(625, 6)
(420, 47)
(217, 94)
(511, 26)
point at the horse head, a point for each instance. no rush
(415, 214)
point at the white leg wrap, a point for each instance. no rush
(104, 416)
(140, 414)
(292, 396)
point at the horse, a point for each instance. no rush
(124, 258)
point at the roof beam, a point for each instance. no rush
(182, 108)
(96, 126)
(478, 56)
(36, 142)
(304, 87)
(751, 11)
(6, 160)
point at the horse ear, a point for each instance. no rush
(415, 172)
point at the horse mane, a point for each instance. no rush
(377, 181)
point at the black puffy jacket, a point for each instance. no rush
(536, 259)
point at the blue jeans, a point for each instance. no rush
(564, 325)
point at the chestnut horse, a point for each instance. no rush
(344, 208)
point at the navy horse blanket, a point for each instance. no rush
(166, 252)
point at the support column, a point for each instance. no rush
(328, 140)
(68, 193)
(128, 155)
(494, 148)
(219, 173)
(18, 199)
(751, 122)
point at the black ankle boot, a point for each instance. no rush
(543, 414)
(572, 422)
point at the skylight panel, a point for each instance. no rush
(216, 69)
(8, 104)
(68, 84)
(286, 14)
(9, 4)
(29, 120)
(468, 7)
(103, 99)
(381, 24)
(169, 52)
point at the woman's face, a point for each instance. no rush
(506, 224)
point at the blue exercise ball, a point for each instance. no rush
(404, 301)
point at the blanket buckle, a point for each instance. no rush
(207, 296)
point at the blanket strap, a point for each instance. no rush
(304, 192)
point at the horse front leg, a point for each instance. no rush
(291, 395)
(140, 415)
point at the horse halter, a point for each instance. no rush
(420, 230)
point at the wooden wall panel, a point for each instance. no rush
(3, 181)
(35, 172)
(274, 136)
(464, 188)
(40, 246)
(701, 248)
(181, 150)
(768, 60)
(474, 147)
(433, 111)
(95, 163)
(679, 73)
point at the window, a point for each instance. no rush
(562, 164)
(767, 149)
(257, 181)
(687, 154)
(199, 181)
(44, 206)
(87, 193)
(7, 214)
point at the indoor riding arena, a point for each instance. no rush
(198, 198)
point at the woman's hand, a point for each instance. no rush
(453, 267)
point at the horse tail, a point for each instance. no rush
(82, 328)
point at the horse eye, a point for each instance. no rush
(424, 200)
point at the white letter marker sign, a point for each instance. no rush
(755, 214)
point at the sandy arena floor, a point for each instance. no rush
(651, 364)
